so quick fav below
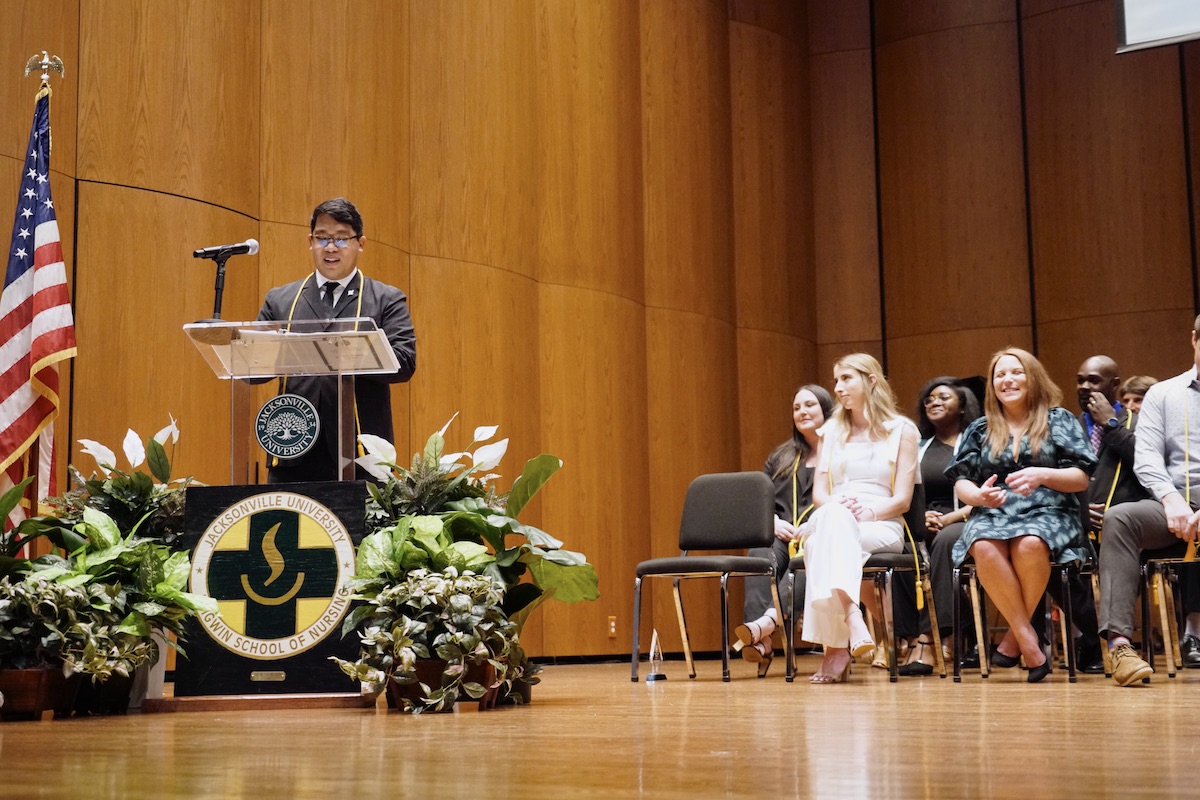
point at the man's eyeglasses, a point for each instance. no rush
(340, 244)
(938, 398)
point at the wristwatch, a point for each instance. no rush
(1112, 424)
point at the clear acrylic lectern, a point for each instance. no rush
(254, 352)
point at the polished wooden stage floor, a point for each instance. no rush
(592, 733)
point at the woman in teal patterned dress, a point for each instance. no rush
(1019, 466)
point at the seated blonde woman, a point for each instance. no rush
(862, 487)
(1020, 466)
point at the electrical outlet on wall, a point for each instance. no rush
(612, 627)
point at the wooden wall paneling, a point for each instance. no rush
(779, 364)
(773, 247)
(477, 355)
(335, 111)
(31, 26)
(1154, 342)
(589, 187)
(691, 343)
(692, 421)
(1108, 191)
(1190, 53)
(474, 138)
(593, 412)
(952, 188)
(784, 18)
(844, 212)
(771, 237)
(133, 294)
(912, 360)
(169, 98)
(686, 157)
(896, 20)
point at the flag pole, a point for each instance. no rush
(36, 294)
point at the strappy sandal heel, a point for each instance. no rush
(861, 642)
(760, 653)
(920, 659)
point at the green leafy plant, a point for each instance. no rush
(448, 616)
(444, 510)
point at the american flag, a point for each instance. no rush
(37, 329)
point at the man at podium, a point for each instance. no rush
(336, 288)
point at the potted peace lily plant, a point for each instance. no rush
(115, 534)
(450, 572)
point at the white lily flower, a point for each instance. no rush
(442, 432)
(170, 432)
(488, 456)
(379, 447)
(485, 432)
(450, 460)
(374, 467)
(135, 452)
(106, 459)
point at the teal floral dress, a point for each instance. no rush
(1051, 516)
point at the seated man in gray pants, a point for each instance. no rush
(1167, 462)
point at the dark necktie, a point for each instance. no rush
(327, 294)
(1097, 436)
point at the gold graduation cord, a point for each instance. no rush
(795, 548)
(291, 313)
(1116, 475)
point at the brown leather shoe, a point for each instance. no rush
(1127, 665)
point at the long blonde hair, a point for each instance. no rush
(1044, 394)
(880, 405)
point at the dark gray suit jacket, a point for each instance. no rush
(386, 305)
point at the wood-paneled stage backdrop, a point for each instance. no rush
(628, 228)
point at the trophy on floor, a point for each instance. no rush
(656, 659)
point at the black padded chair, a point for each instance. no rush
(724, 511)
(879, 569)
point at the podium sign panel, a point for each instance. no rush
(276, 560)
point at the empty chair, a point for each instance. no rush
(723, 511)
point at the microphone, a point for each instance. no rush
(250, 247)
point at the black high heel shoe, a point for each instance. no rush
(1003, 661)
(1037, 673)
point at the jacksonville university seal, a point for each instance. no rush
(275, 563)
(287, 426)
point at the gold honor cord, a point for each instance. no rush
(357, 313)
(794, 546)
(1116, 477)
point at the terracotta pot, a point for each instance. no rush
(429, 672)
(30, 692)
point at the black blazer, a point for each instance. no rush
(386, 305)
(1116, 448)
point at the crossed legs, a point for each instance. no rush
(1015, 572)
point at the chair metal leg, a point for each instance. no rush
(1171, 585)
(926, 588)
(725, 627)
(1147, 633)
(778, 616)
(687, 645)
(981, 631)
(1068, 622)
(1103, 644)
(790, 630)
(1160, 598)
(883, 597)
(637, 618)
(958, 631)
